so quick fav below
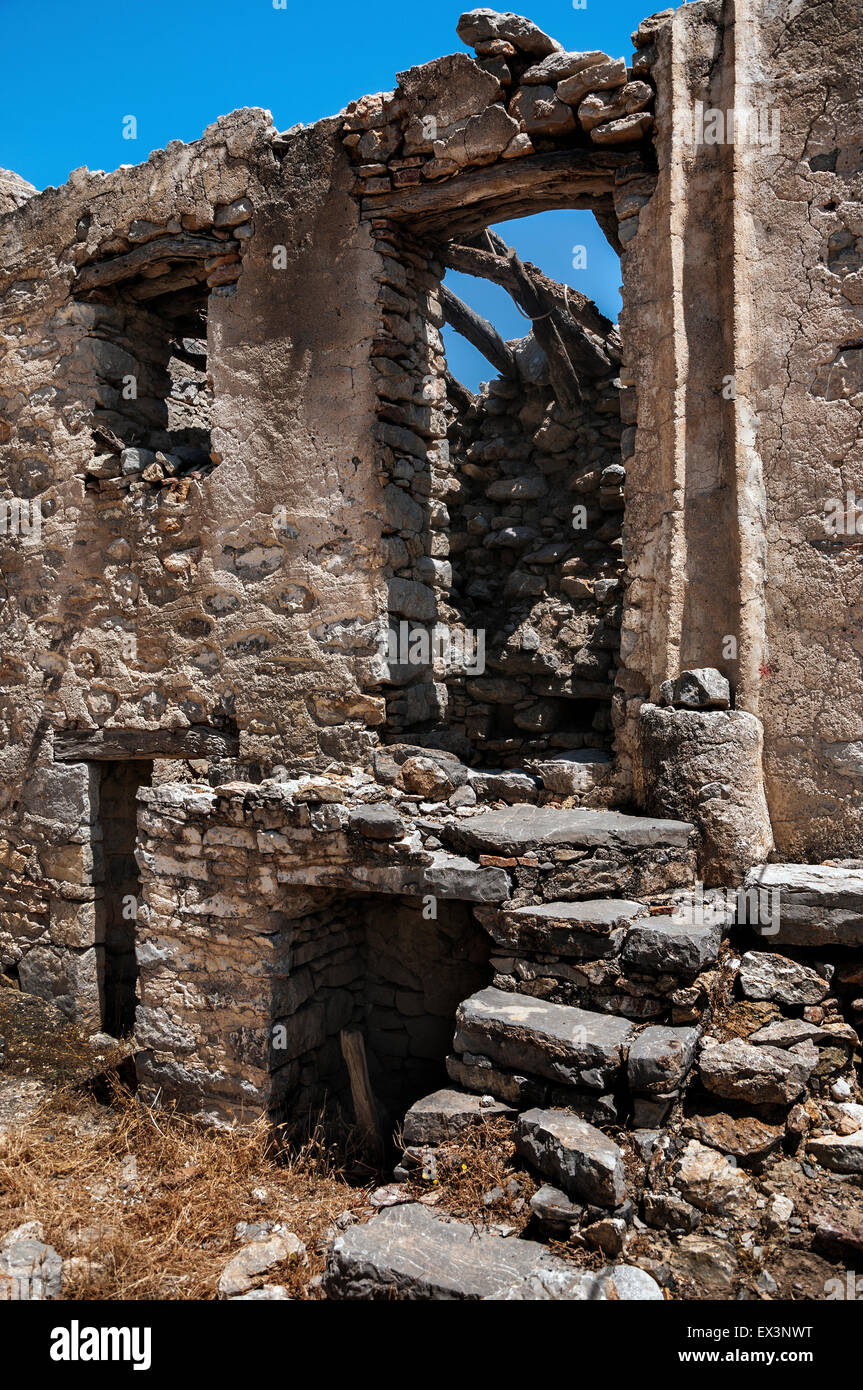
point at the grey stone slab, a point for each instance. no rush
(516, 830)
(567, 1045)
(810, 904)
(760, 1075)
(554, 1209)
(377, 822)
(660, 1058)
(447, 1113)
(665, 946)
(480, 1076)
(573, 1155)
(443, 876)
(408, 1254)
(583, 930)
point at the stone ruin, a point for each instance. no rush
(363, 735)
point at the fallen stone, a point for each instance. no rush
(569, 1046)
(270, 1293)
(665, 946)
(710, 1265)
(579, 1158)
(608, 1235)
(702, 688)
(785, 1032)
(432, 779)
(737, 1070)
(30, 1270)
(711, 1182)
(764, 975)
(841, 1153)
(572, 774)
(256, 1258)
(742, 1137)
(408, 1253)
(555, 1210)
(446, 1113)
(660, 1058)
(513, 787)
(666, 1211)
(838, 1233)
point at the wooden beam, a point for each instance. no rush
(164, 248)
(566, 178)
(478, 331)
(365, 1106)
(124, 745)
(568, 307)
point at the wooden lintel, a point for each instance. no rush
(100, 745)
(569, 178)
(163, 248)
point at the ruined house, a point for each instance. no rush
(338, 699)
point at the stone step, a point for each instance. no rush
(587, 930)
(482, 1077)
(804, 904)
(569, 1046)
(409, 1254)
(668, 946)
(592, 853)
(519, 830)
(447, 1113)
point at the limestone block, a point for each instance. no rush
(705, 766)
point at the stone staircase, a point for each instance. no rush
(558, 1070)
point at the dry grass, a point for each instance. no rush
(145, 1203)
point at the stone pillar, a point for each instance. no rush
(741, 314)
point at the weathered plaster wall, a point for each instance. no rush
(740, 296)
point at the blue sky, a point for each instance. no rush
(74, 70)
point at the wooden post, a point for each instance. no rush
(365, 1106)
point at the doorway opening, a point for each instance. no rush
(119, 783)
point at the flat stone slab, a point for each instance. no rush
(569, 1151)
(480, 1076)
(570, 1046)
(815, 904)
(444, 876)
(665, 946)
(515, 830)
(446, 1113)
(408, 1254)
(583, 930)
